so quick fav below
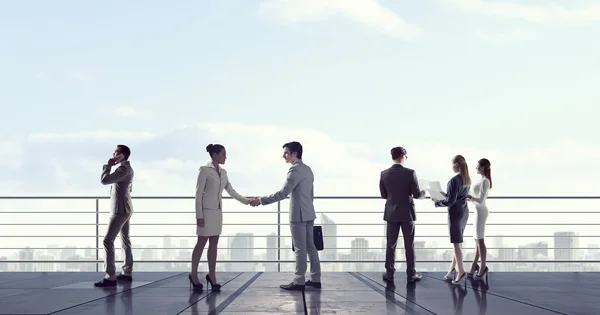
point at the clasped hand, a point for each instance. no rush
(254, 202)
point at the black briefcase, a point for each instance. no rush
(317, 238)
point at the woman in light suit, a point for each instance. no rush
(480, 193)
(212, 179)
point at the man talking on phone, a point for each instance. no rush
(121, 211)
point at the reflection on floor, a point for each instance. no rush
(342, 293)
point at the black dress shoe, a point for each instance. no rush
(416, 277)
(387, 277)
(292, 286)
(313, 284)
(106, 283)
(123, 277)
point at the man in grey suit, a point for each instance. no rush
(299, 183)
(398, 186)
(122, 209)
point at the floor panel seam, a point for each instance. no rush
(364, 279)
(504, 297)
(205, 296)
(221, 307)
(304, 301)
(116, 293)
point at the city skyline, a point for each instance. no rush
(360, 256)
(248, 246)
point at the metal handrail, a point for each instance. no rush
(286, 248)
(293, 261)
(285, 224)
(279, 224)
(316, 197)
(337, 236)
(325, 236)
(282, 212)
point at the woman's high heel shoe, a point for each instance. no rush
(485, 272)
(213, 286)
(474, 272)
(460, 279)
(195, 287)
(451, 276)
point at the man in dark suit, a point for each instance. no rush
(399, 186)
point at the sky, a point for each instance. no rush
(514, 82)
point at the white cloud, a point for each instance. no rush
(537, 14)
(367, 12)
(562, 153)
(167, 164)
(505, 37)
(561, 169)
(126, 112)
(89, 135)
(333, 162)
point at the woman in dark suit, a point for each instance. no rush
(458, 213)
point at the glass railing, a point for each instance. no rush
(525, 233)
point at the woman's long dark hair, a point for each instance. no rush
(463, 169)
(487, 169)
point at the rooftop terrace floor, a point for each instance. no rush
(251, 293)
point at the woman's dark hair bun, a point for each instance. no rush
(209, 148)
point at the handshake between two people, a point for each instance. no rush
(254, 201)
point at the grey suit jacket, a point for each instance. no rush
(398, 186)
(299, 184)
(120, 191)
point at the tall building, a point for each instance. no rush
(271, 252)
(592, 250)
(24, 255)
(565, 244)
(167, 253)
(533, 251)
(242, 249)
(45, 267)
(330, 251)
(565, 248)
(504, 254)
(360, 252)
(146, 254)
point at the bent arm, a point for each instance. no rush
(200, 184)
(235, 194)
(382, 189)
(290, 183)
(117, 176)
(451, 195)
(415, 190)
(485, 189)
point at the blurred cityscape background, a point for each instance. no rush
(354, 240)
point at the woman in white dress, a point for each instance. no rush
(212, 179)
(480, 193)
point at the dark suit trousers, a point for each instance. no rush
(408, 233)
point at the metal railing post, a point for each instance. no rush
(97, 234)
(278, 236)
